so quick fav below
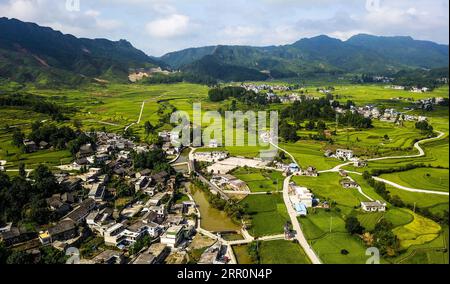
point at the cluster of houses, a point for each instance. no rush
(388, 115)
(85, 206)
(210, 157)
(264, 87)
(411, 89)
(301, 198)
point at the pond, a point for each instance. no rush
(213, 219)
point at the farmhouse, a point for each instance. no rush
(210, 157)
(309, 172)
(347, 183)
(376, 206)
(173, 236)
(344, 154)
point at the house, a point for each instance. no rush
(309, 172)
(344, 154)
(237, 185)
(157, 199)
(109, 257)
(100, 220)
(43, 145)
(213, 143)
(14, 235)
(173, 236)
(155, 254)
(62, 231)
(160, 177)
(113, 236)
(214, 255)
(30, 146)
(97, 192)
(210, 157)
(360, 164)
(375, 206)
(142, 183)
(301, 210)
(294, 168)
(85, 151)
(347, 183)
(343, 173)
(57, 205)
(79, 214)
(301, 195)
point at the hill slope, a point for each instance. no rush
(322, 54)
(29, 52)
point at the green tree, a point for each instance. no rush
(353, 225)
(149, 128)
(17, 138)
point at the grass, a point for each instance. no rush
(327, 186)
(369, 220)
(260, 180)
(268, 213)
(329, 249)
(422, 178)
(282, 252)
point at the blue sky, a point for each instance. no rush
(160, 26)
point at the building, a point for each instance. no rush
(173, 236)
(79, 214)
(347, 183)
(97, 192)
(214, 255)
(109, 257)
(155, 254)
(113, 236)
(301, 209)
(309, 172)
(360, 164)
(301, 195)
(375, 206)
(62, 231)
(213, 143)
(210, 157)
(344, 154)
(294, 168)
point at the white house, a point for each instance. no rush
(344, 154)
(375, 206)
(173, 236)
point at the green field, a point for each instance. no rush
(422, 178)
(273, 252)
(260, 180)
(327, 186)
(268, 213)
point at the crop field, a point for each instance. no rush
(260, 180)
(268, 213)
(309, 153)
(422, 178)
(327, 186)
(420, 231)
(280, 251)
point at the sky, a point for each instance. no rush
(161, 26)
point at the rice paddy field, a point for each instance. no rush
(268, 213)
(423, 178)
(273, 252)
(260, 180)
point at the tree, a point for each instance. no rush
(353, 226)
(45, 182)
(22, 171)
(77, 124)
(288, 132)
(149, 128)
(20, 257)
(17, 138)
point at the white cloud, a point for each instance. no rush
(172, 26)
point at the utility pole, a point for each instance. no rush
(331, 223)
(414, 207)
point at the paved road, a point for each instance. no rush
(296, 225)
(421, 154)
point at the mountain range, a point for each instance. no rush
(29, 52)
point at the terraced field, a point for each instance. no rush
(423, 178)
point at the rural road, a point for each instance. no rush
(141, 112)
(296, 225)
(421, 154)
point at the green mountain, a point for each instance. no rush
(322, 54)
(31, 53)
